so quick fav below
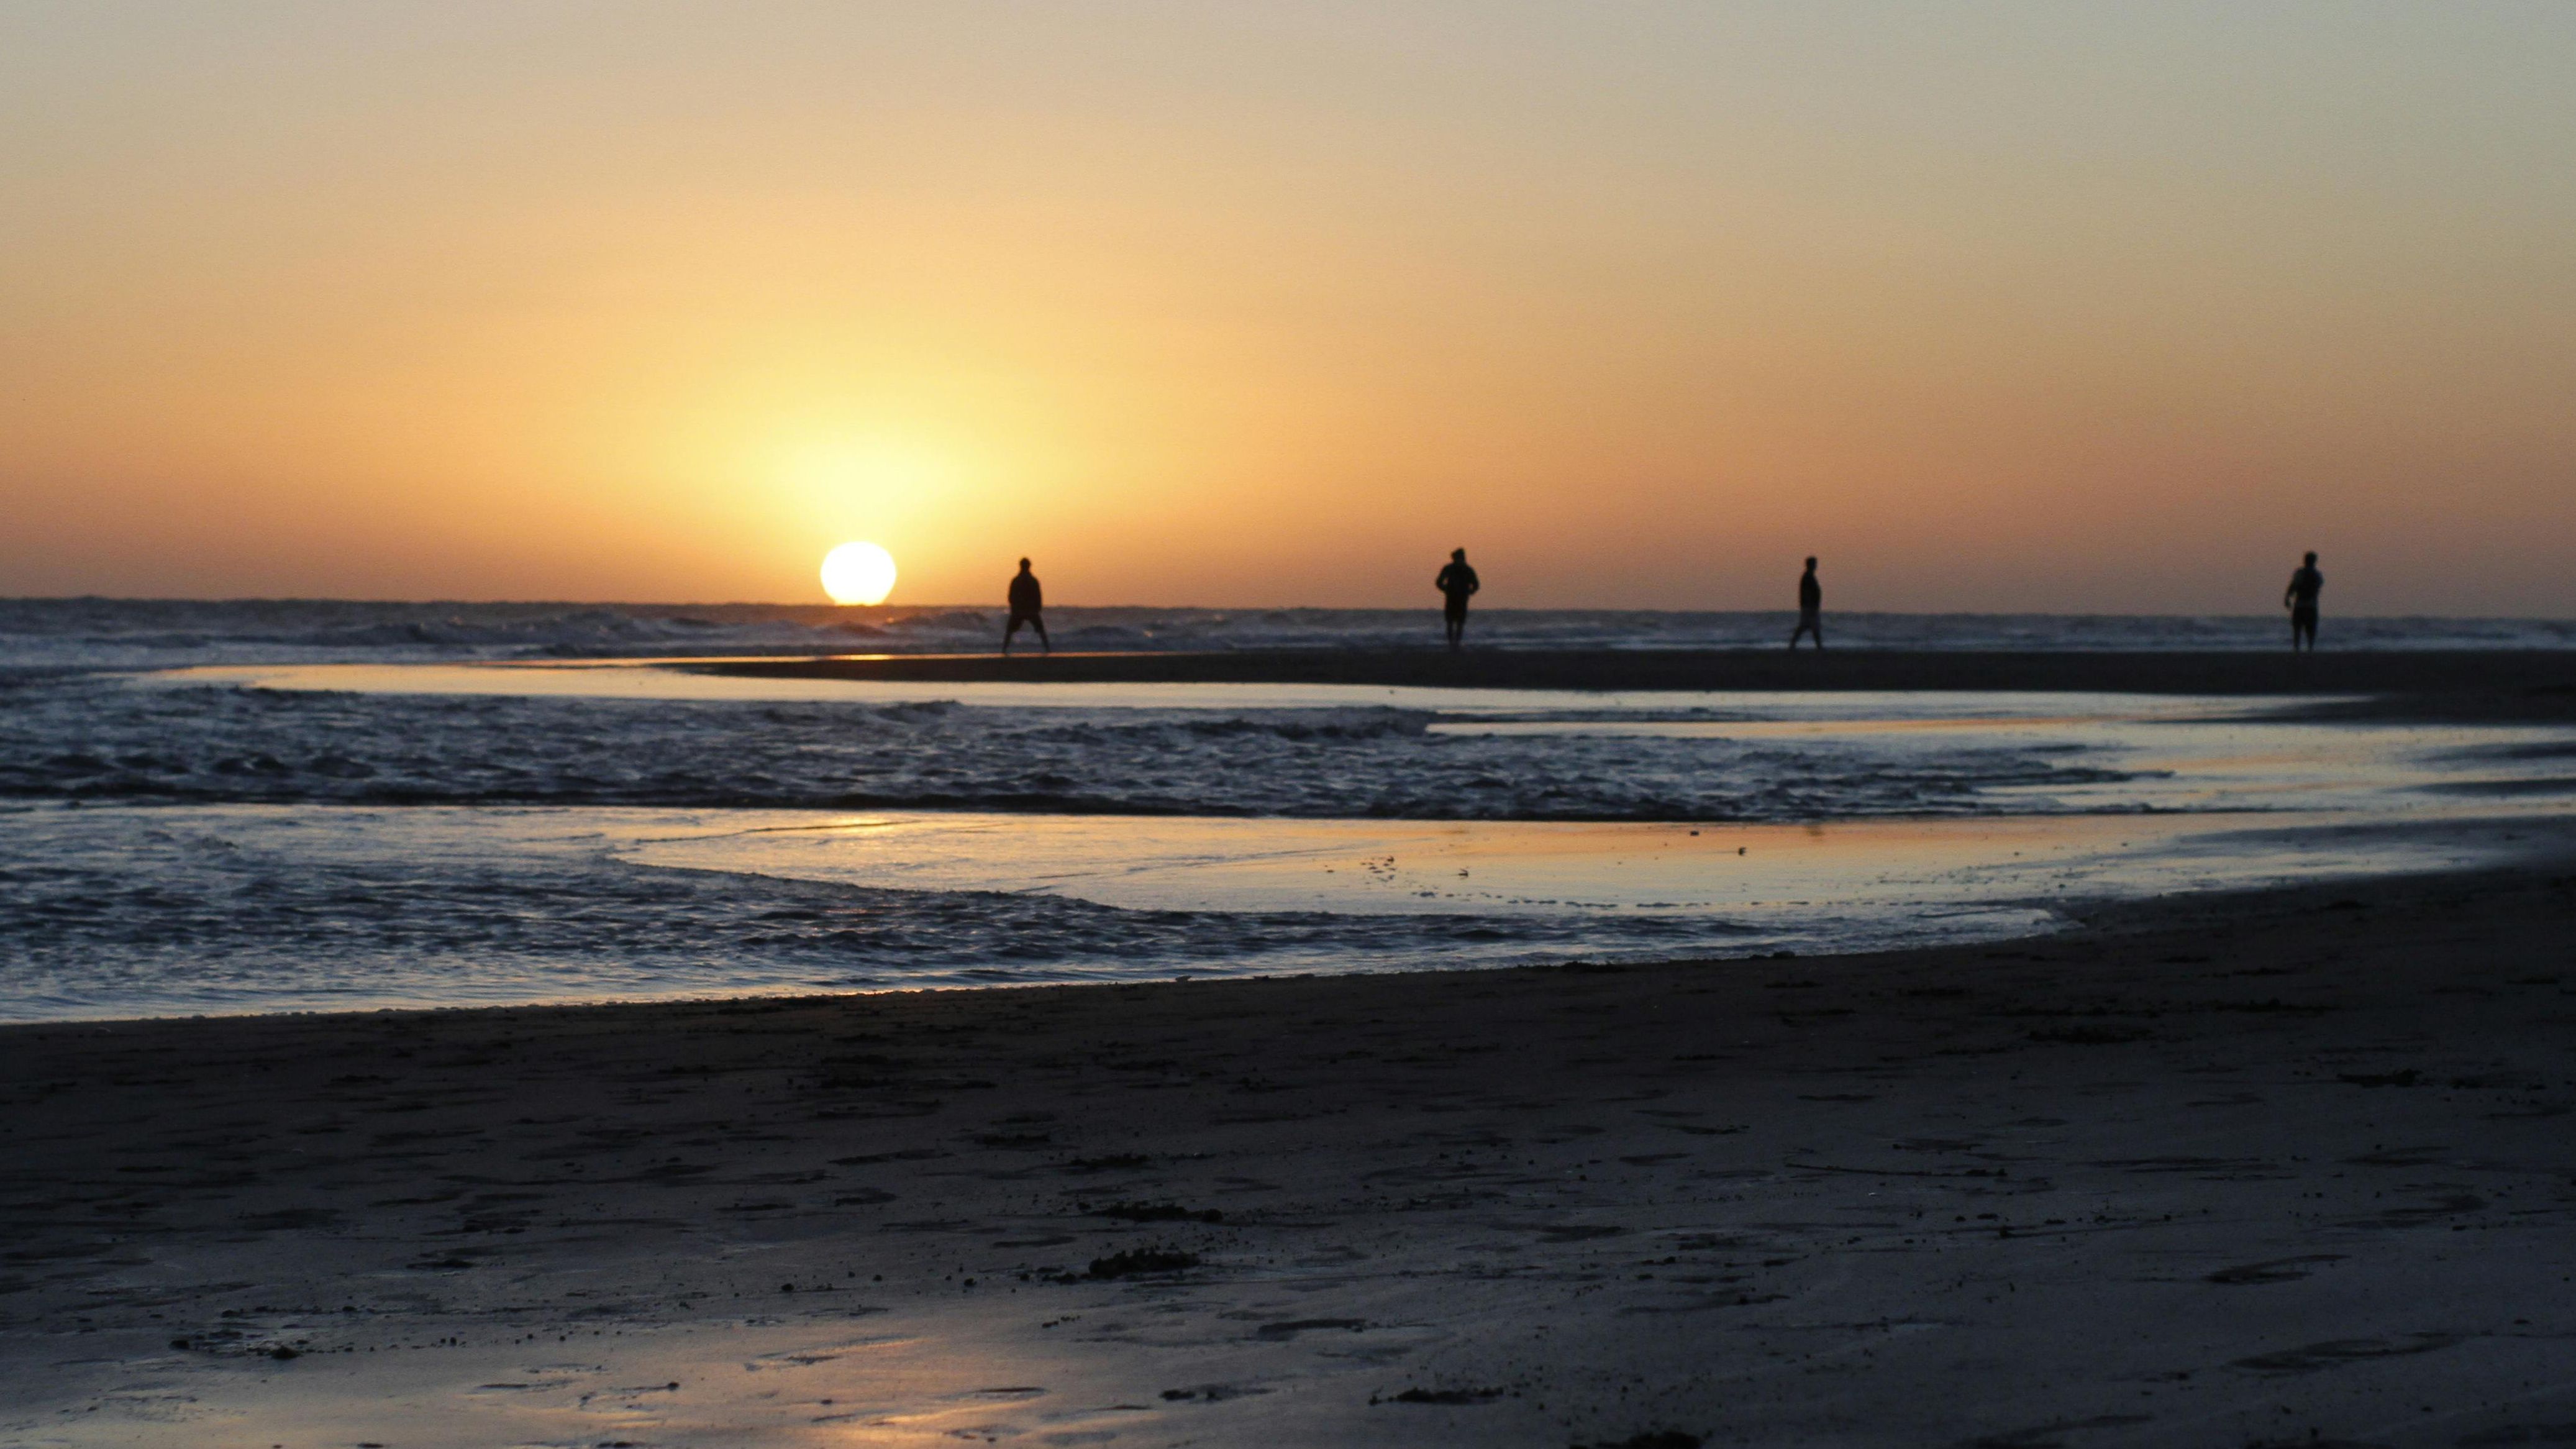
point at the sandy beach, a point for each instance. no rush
(872, 726)
(2499, 683)
(2271, 1168)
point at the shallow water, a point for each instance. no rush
(129, 911)
(358, 834)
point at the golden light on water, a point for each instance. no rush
(858, 573)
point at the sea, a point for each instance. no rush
(257, 806)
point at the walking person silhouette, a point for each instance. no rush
(1028, 605)
(1811, 608)
(2301, 598)
(1457, 583)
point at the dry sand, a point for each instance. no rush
(2293, 1167)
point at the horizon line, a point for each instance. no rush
(1223, 608)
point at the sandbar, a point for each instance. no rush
(2496, 683)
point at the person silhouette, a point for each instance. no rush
(2301, 598)
(1457, 583)
(1811, 608)
(1028, 604)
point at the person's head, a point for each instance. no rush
(1024, 566)
(1811, 563)
(1457, 555)
(2312, 558)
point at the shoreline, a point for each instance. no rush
(2518, 682)
(2208, 1169)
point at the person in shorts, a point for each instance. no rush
(1028, 605)
(2301, 599)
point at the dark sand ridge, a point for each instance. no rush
(2214, 1171)
(2501, 683)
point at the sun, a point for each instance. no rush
(858, 573)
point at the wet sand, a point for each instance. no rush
(2275, 1168)
(2499, 684)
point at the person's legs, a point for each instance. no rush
(1454, 624)
(1043, 641)
(2303, 630)
(1008, 630)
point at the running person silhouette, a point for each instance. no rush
(1028, 605)
(1811, 608)
(2301, 597)
(1457, 583)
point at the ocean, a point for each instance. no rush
(88, 633)
(259, 806)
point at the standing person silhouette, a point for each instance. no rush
(1457, 583)
(1811, 608)
(1028, 604)
(2301, 597)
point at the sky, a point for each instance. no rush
(2055, 306)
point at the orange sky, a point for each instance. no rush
(1995, 306)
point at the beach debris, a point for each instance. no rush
(1112, 1162)
(1291, 1327)
(909, 1154)
(1446, 1397)
(2277, 1270)
(2334, 1353)
(1153, 1212)
(1211, 1393)
(1137, 1261)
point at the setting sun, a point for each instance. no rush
(858, 573)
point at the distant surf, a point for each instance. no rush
(144, 633)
